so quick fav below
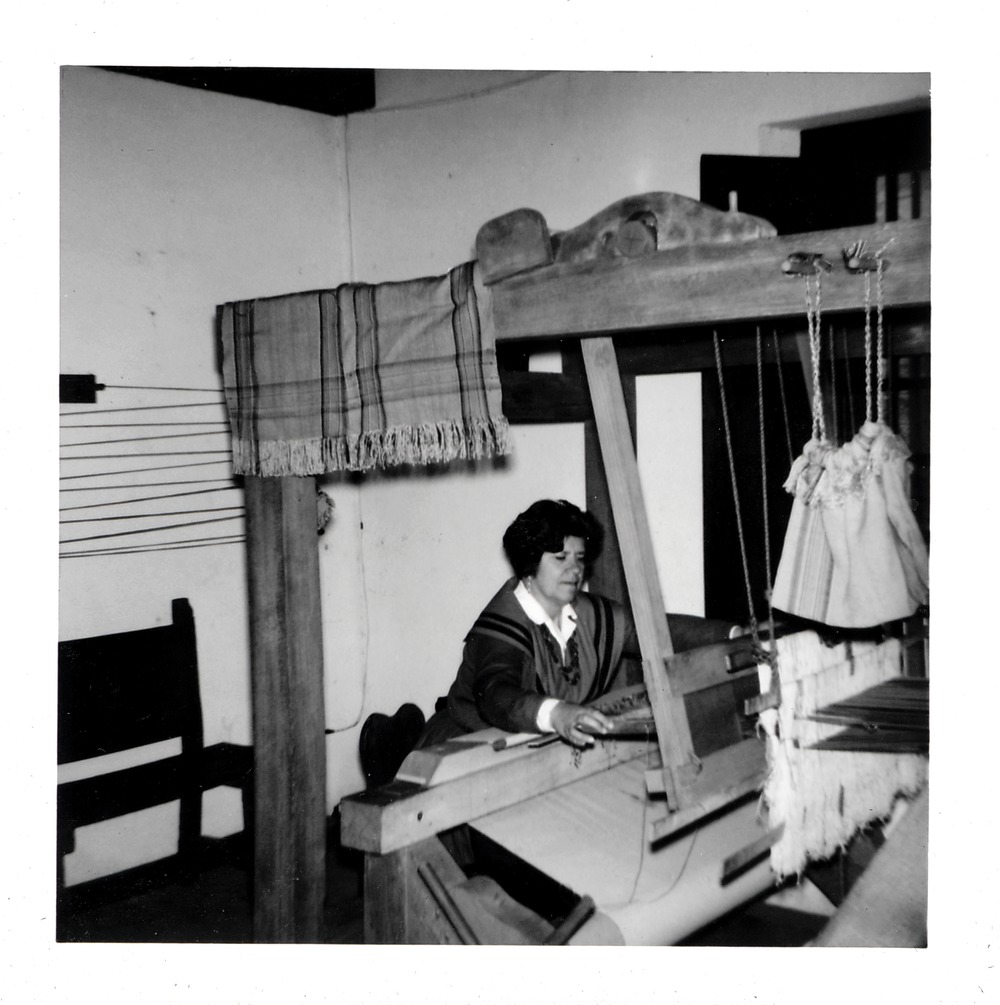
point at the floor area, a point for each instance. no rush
(215, 907)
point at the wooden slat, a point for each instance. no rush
(692, 349)
(401, 813)
(635, 541)
(705, 284)
(286, 663)
(707, 666)
(721, 778)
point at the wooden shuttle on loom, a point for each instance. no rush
(617, 823)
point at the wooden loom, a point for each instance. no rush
(396, 825)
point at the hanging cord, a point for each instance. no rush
(880, 362)
(847, 380)
(148, 387)
(642, 831)
(784, 403)
(813, 319)
(331, 730)
(146, 516)
(833, 385)
(145, 549)
(136, 471)
(139, 499)
(879, 366)
(868, 347)
(140, 439)
(133, 425)
(736, 493)
(157, 453)
(151, 530)
(228, 483)
(763, 489)
(143, 408)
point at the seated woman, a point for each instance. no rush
(543, 648)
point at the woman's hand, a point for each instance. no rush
(577, 724)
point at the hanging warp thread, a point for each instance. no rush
(853, 556)
(822, 796)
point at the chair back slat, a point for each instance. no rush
(125, 690)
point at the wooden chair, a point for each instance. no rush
(123, 691)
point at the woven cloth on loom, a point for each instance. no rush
(823, 797)
(363, 376)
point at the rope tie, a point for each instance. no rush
(868, 347)
(880, 344)
(813, 320)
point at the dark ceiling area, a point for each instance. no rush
(327, 91)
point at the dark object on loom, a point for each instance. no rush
(386, 740)
(891, 717)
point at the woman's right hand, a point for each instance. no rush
(578, 724)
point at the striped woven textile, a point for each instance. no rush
(363, 376)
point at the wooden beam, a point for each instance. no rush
(645, 595)
(709, 666)
(286, 666)
(401, 813)
(689, 349)
(705, 284)
(608, 577)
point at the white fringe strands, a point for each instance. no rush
(428, 443)
(824, 797)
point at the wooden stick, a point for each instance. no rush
(572, 923)
(627, 504)
(442, 895)
(738, 862)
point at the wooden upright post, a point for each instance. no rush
(286, 664)
(645, 595)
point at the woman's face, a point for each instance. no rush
(559, 576)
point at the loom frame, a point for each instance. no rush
(596, 302)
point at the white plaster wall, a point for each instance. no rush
(174, 201)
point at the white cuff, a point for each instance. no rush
(544, 718)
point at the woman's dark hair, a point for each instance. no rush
(544, 526)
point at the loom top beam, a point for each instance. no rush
(705, 284)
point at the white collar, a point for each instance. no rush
(561, 630)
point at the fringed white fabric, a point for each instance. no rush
(429, 443)
(824, 797)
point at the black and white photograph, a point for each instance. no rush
(494, 510)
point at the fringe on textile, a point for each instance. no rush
(826, 476)
(428, 443)
(824, 797)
